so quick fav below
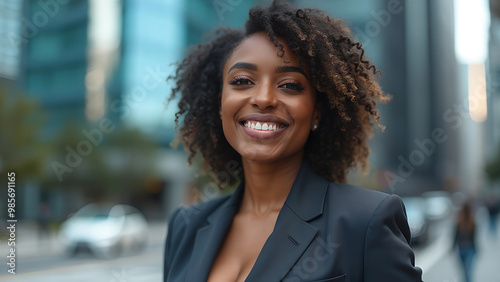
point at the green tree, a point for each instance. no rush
(21, 121)
(492, 168)
(117, 166)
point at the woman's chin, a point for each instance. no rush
(256, 155)
(264, 155)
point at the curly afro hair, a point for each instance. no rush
(340, 73)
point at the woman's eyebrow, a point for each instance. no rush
(282, 69)
(245, 66)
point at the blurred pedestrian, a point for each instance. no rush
(43, 221)
(493, 205)
(465, 234)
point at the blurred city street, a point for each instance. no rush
(440, 264)
(43, 259)
(84, 120)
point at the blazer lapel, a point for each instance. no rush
(210, 237)
(292, 233)
(283, 248)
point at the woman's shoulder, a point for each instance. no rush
(185, 215)
(353, 193)
(362, 202)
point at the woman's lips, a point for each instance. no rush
(262, 130)
(263, 118)
(263, 126)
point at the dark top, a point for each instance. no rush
(465, 237)
(324, 232)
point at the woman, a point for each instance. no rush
(465, 234)
(292, 101)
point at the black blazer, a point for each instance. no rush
(324, 232)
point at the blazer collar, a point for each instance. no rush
(209, 238)
(292, 233)
(306, 198)
(291, 236)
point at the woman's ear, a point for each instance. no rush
(316, 116)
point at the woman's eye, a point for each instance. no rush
(240, 81)
(292, 86)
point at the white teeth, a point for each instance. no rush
(263, 126)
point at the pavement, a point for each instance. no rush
(30, 243)
(441, 264)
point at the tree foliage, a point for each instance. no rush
(117, 165)
(492, 168)
(21, 121)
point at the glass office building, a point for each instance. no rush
(55, 59)
(86, 60)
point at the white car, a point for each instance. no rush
(417, 219)
(105, 230)
(439, 204)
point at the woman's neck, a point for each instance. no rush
(267, 184)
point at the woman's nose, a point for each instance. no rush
(265, 97)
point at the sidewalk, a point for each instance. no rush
(488, 257)
(448, 268)
(31, 244)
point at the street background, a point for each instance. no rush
(43, 259)
(84, 119)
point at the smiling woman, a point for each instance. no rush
(293, 100)
(260, 90)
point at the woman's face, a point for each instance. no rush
(268, 107)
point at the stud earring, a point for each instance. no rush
(315, 127)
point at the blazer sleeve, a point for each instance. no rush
(388, 255)
(173, 229)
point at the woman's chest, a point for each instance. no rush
(241, 247)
